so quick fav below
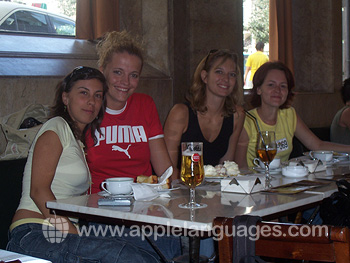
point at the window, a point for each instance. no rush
(37, 42)
(255, 29)
(19, 18)
(31, 22)
(63, 27)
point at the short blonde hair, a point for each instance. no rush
(117, 42)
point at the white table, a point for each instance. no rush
(9, 256)
(164, 212)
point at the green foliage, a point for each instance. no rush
(259, 23)
(68, 7)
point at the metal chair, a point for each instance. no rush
(328, 244)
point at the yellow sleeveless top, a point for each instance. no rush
(284, 130)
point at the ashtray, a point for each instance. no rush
(295, 171)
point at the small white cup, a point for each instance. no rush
(276, 163)
(118, 186)
(324, 156)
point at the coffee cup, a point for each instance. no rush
(276, 163)
(118, 186)
(324, 156)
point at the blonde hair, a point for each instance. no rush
(197, 92)
(117, 42)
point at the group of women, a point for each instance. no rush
(99, 116)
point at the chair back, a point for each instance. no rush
(289, 241)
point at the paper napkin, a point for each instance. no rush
(147, 192)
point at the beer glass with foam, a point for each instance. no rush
(192, 171)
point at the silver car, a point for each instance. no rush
(21, 18)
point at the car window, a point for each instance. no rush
(9, 24)
(63, 26)
(26, 21)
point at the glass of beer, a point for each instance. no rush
(267, 149)
(192, 171)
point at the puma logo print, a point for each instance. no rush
(119, 149)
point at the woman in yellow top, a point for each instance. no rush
(272, 96)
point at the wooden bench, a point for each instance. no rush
(332, 245)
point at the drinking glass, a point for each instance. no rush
(192, 170)
(267, 149)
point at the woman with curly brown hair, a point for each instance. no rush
(212, 113)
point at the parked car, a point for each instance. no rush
(22, 18)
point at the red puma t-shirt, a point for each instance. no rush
(122, 149)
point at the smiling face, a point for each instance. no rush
(221, 78)
(274, 90)
(84, 101)
(122, 74)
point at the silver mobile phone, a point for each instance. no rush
(115, 201)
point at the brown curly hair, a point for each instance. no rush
(117, 42)
(259, 78)
(196, 94)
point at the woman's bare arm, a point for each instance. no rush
(47, 152)
(175, 125)
(239, 117)
(312, 142)
(159, 156)
(242, 148)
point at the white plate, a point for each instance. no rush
(272, 170)
(104, 193)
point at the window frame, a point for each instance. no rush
(24, 55)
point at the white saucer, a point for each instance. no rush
(272, 170)
(105, 194)
(335, 159)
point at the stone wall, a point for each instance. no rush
(317, 48)
(178, 33)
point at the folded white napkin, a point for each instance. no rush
(147, 192)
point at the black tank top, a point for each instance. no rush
(212, 151)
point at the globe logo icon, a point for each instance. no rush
(55, 229)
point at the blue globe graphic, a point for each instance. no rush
(51, 233)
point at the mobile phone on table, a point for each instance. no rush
(115, 201)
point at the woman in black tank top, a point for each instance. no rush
(212, 113)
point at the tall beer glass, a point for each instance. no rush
(267, 149)
(192, 171)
